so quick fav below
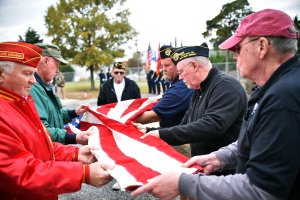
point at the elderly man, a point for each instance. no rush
(171, 108)
(31, 165)
(266, 155)
(217, 107)
(119, 88)
(48, 104)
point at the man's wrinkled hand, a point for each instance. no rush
(80, 110)
(98, 175)
(210, 163)
(164, 186)
(154, 133)
(83, 136)
(140, 127)
(85, 155)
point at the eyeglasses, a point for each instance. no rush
(238, 47)
(121, 73)
(181, 71)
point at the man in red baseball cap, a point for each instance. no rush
(31, 165)
(266, 154)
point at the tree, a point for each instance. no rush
(31, 36)
(226, 22)
(91, 32)
(297, 24)
(135, 61)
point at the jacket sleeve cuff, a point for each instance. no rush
(70, 138)
(184, 180)
(72, 114)
(148, 129)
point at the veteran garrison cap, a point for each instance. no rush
(20, 52)
(165, 51)
(52, 51)
(182, 53)
(119, 65)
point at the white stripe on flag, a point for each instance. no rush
(117, 112)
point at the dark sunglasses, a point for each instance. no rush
(121, 73)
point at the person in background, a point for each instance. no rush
(152, 81)
(101, 77)
(60, 84)
(148, 78)
(48, 104)
(217, 107)
(119, 88)
(171, 108)
(108, 74)
(157, 82)
(31, 165)
(53, 85)
(266, 155)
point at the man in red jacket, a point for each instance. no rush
(31, 165)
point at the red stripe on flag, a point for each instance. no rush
(135, 105)
(105, 109)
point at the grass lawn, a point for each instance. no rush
(75, 90)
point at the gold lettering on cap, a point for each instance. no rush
(9, 54)
(187, 55)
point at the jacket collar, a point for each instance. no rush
(209, 79)
(288, 65)
(9, 95)
(42, 83)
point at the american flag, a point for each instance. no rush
(158, 61)
(118, 142)
(75, 123)
(149, 57)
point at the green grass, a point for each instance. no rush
(80, 86)
(75, 90)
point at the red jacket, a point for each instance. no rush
(29, 167)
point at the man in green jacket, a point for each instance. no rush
(48, 104)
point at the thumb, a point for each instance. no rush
(190, 162)
(108, 165)
(87, 132)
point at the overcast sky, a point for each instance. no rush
(157, 21)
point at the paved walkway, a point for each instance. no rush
(73, 103)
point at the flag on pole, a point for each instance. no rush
(118, 143)
(158, 66)
(153, 61)
(149, 57)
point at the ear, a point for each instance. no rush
(195, 65)
(46, 59)
(264, 47)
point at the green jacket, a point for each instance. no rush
(51, 112)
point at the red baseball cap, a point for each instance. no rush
(267, 22)
(20, 52)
